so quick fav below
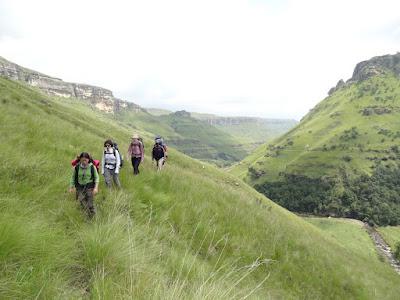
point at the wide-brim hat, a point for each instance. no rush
(135, 136)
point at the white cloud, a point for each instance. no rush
(264, 58)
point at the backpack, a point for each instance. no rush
(121, 157)
(141, 140)
(160, 140)
(90, 185)
(158, 151)
(95, 162)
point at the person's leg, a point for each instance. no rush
(89, 203)
(133, 159)
(136, 165)
(116, 178)
(81, 196)
(107, 177)
(160, 163)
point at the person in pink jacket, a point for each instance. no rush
(136, 153)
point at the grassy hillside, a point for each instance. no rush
(342, 159)
(349, 233)
(391, 234)
(158, 111)
(251, 132)
(189, 232)
(190, 136)
(203, 141)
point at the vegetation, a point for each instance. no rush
(349, 233)
(391, 234)
(188, 232)
(190, 136)
(248, 132)
(341, 159)
(251, 132)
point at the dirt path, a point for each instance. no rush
(382, 247)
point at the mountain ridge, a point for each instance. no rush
(101, 98)
(345, 146)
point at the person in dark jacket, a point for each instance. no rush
(158, 155)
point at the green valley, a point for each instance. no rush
(343, 158)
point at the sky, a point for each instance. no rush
(274, 59)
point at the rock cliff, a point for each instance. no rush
(99, 97)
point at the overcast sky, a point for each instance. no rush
(257, 58)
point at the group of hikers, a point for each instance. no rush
(85, 174)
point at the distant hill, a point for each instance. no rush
(343, 158)
(203, 141)
(249, 132)
(252, 132)
(158, 111)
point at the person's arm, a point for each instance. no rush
(129, 151)
(118, 157)
(103, 164)
(142, 151)
(96, 181)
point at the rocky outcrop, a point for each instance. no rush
(182, 113)
(99, 97)
(378, 65)
(337, 87)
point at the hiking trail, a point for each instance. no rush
(382, 247)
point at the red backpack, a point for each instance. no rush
(95, 162)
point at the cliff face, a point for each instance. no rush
(100, 98)
(375, 66)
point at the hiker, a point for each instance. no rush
(85, 182)
(158, 154)
(136, 153)
(110, 164)
(158, 139)
(95, 162)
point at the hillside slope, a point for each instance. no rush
(190, 136)
(343, 157)
(189, 232)
(249, 132)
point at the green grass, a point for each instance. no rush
(348, 141)
(190, 232)
(190, 136)
(249, 131)
(203, 141)
(348, 233)
(391, 234)
(320, 138)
